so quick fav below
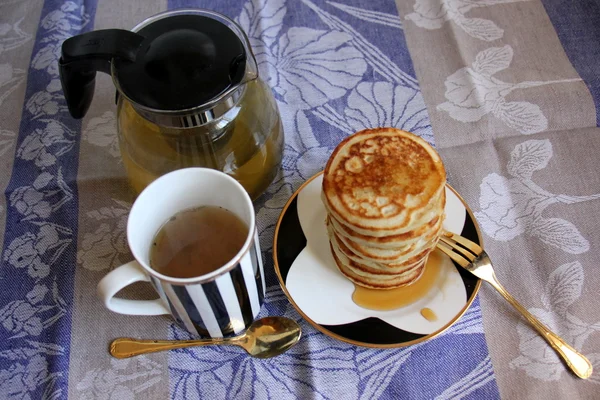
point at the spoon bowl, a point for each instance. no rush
(266, 337)
(270, 336)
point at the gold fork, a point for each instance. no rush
(472, 257)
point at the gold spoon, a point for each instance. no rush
(265, 338)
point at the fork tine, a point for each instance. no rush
(474, 247)
(470, 256)
(450, 253)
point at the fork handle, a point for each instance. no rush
(580, 365)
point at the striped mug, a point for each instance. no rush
(219, 303)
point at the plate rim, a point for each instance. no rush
(329, 333)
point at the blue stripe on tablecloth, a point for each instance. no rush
(579, 32)
(40, 241)
(458, 360)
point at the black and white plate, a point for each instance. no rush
(323, 296)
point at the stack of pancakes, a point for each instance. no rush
(384, 191)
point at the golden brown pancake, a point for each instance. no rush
(384, 193)
(383, 182)
(368, 265)
(401, 250)
(392, 265)
(391, 283)
(423, 232)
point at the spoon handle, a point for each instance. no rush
(129, 347)
(578, 363)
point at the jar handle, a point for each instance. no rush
(83, 55)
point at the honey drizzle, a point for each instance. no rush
(428, 314)
(385, 300)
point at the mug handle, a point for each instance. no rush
(124, 276)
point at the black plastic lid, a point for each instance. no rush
(184, 61)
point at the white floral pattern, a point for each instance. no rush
(65, 19)
(33, 202)
(31, 316)
(432, 14)
(514, 206)
(10, 79)
(37, 252)
(117, 383)
(316, 67)
(306, 67)
(46, 57)
(386, 104)
(102, 131)
(377, 17)
(106, 247)
(262, 21)
(7, 141)
(25, 376)
(42, 103)
(12, 36)
(376, 59)
(473, 92)
(563, 288)
(43, 146)
(480, 376)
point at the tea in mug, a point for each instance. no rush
(197, 241)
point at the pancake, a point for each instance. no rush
(386, 259)
(383, 182)
(396, 255)
(384, 193)
(371, 247)
(421, 233)
(367, 265)
(373, 283)
(370, 271)
(417, 218)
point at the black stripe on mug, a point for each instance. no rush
(159, 289)
(254, 254)
(239, 283)
(223, 302)
(190, 308)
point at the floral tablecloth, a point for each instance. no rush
(508, 92)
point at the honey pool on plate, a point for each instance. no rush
(385, 300)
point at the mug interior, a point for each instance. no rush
(178, 191)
